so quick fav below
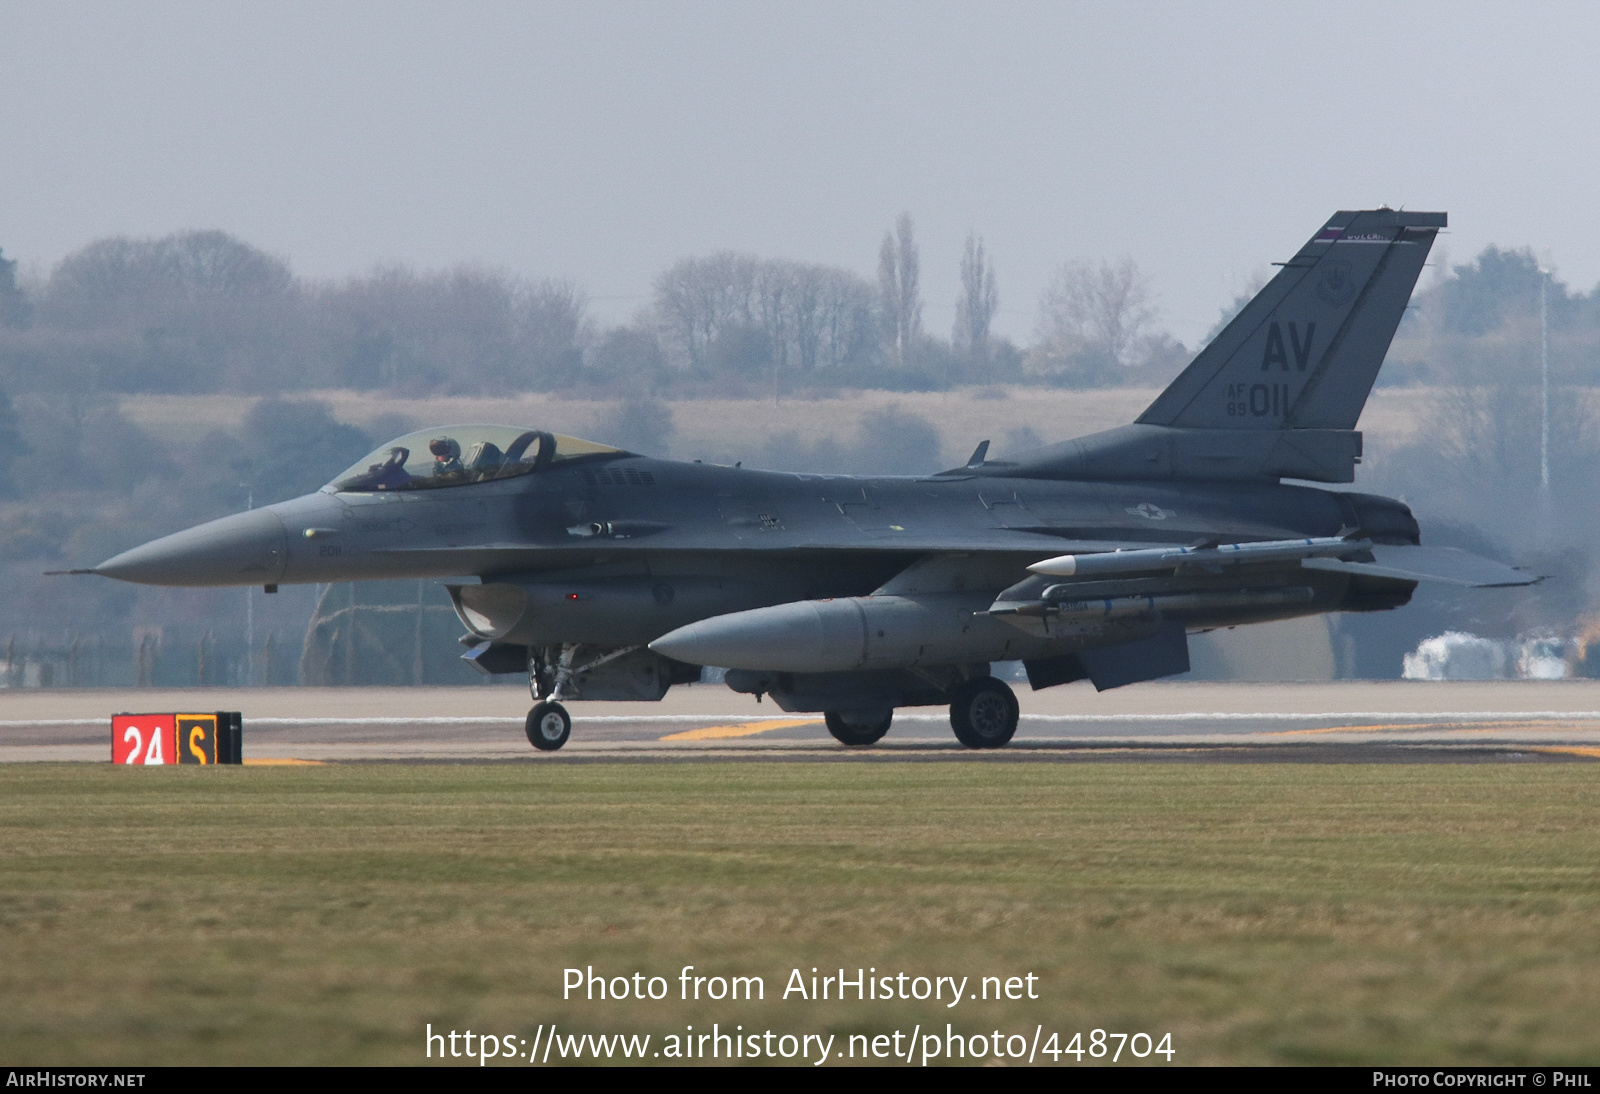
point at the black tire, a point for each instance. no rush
(984, 713)
(857, 727)
(549, 726)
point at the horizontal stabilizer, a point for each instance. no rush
(1444, 564)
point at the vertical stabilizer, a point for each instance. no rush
(1304, 353)
(1277, 394)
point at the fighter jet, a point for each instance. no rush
(606, 575)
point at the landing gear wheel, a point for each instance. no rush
(858, 727)
(549, 726)
(984, 713)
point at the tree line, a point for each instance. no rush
(203, 312)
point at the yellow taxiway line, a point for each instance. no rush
(1415, 727)
(274, 761)
(1571, 750)
(743, 729)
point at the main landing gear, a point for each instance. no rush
(549, 726)
(858, 727)
(984, 713)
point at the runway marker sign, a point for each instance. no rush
(216, 738)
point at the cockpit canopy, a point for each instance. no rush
(460, 454)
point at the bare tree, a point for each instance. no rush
(847, 316)
(192, 311)
(13, 301)
(899, 288)
(551, 327)
(1095, 311)
(120, 281)
(697, 298)
(808, 286)
(794, 312)
(471, 328)
(814, 315)
(976, 305)
(774, 306)
(910, 281)
(889, 296)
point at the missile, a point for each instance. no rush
(1172, 558)
(1119, 606)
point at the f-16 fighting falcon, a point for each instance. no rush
(608, 575)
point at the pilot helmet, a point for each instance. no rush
(445, 448)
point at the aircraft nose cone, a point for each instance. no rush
(244, 549)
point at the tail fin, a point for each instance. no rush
(1277, 394)
(1305, 352)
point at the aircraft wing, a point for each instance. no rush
(1443, 564)
(973, 540)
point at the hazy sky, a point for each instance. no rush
(601, 141)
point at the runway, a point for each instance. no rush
(1355, 722)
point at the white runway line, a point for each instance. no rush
(1261, 716)
(673, 719)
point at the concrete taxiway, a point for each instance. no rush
(1400, 721)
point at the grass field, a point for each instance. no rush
(1260, 913)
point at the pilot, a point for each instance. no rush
(446, 456)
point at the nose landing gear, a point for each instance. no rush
(549, 724)
(553, 677)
